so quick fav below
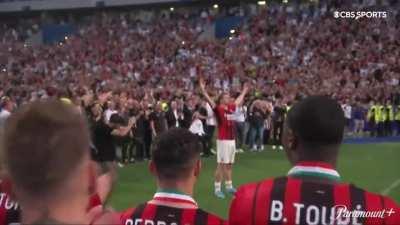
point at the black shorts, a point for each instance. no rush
(348, 122)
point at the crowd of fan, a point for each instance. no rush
(135, 79)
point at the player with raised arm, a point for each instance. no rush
(226, 146)
(176, 164)
(312, 192)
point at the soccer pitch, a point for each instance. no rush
(375, 167)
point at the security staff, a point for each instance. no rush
(371, 117)
(389, 120)
(380, 116)
(397, 120)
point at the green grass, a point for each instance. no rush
(373, 167)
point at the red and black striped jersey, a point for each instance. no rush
(167, 210)
(9, 209)
(289, 200)
(159, 214)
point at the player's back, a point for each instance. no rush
(9, 210)
(288, 200)
(155, 214)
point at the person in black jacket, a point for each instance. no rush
(126, 143)
(188, 110)
(103, 133)
(158, 122)
(278, 117)
(142, 132)
(174, 116)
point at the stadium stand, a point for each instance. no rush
(134, 71)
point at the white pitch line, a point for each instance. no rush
(391, 187)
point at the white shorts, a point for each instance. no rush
(226, 151)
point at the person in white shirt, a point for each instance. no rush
(240, 118)
(5, 111)
(174, 116)
(109, 111)
(211, 122)
(197, 126)
(347, 109)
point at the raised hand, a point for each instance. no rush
(246, 86)
(202, 82)
(269, 107)
(105, 96)
(132, 121)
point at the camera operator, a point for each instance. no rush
(126, 142)
(142, 132)
(158, 122)
(278, 117)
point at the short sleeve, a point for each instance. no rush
(240, 212)
(392, 211)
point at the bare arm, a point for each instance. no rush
(205, 94)
(105, 183)
(203, 117)
(269, 107)
(252, 106)
(103, 98)
(153, 128)
(122, 131)
(239, 100)
(166, 123)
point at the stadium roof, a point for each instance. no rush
(38, 5)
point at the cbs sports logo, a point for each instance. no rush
(360, 14)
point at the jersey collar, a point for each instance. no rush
(173, 198)
(314, 169)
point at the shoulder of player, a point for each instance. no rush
(219, 111)
(247, 191)
(219, 107)
(387, 201)
(215, 220)
(128, 213)
(391, 207)
(5, 188)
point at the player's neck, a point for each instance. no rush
(325, 155)
(71, 211)
(183, 187)
(331, 162)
